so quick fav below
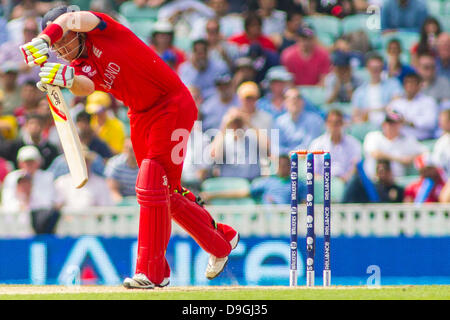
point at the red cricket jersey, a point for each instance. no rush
(120, 63)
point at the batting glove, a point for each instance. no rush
(57, 74)
(35, 52)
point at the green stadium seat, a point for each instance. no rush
(315, 94)
(360, 130)
(337, 189)
(354, 23)
(444, 21)
(404, 181)
(325, 24)
(142, 28)
(345, 108)
(227, 184)
(438, 7)
(326, 39)
(429, 144)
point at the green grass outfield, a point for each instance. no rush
(27, 292)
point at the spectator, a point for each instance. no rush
(108, 128)
(289, 36)
(32, 135)
(430, 31)
(89, 138)
(8, 123)
(344, 149)
(433, 85)
(278, 80)
(383, 189)
(140, 10)
(369, 100)
(427, 188)
(420, 112)
(201, 70)
(162, 42)
(30, 96)
(263, 60)
(306, 60)
(252, 34)
(297, 127)
(276, 189)
(94, 193)
(405, 15)
(341, 83)
(49, 131)
(215, 107)
(243, 71)
(219, 47)
(441, 150)
(394, 66)
(443, 56)
(248, 94)
(273, 20)
(390, 144)
(29, 190)
(9, 87)
(121, 173)
(59, 166)
(444, 197)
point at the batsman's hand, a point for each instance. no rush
(56, 74)
(35, 52)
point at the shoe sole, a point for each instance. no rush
(129, 286)
(225, 264)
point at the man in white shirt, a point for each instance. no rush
(441, 150)
(420, 112)
(344, 149)
(390, 144)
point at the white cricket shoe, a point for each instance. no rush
(139, 281)
(216, 265)
(164, 283)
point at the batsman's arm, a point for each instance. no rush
(82, 86)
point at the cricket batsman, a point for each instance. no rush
(104, 55)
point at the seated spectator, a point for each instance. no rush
(236, 149)
(9, 87)
(219, 47)
(289, 36)
(278, 80)
(94, 193)
(29, 190)
(427, 188)
(273, 20)
(248, 94)
(297, 127)
(405, 15)
(121, 173)
(441, 151)
(390, 144)
(276, 189)
(8, 123)
(341, 82)
(201, 70)
(263, 60)
(429, 32)
(161, 42)
(32, 135)
(433, 85)
(306, 60)
(89, 138)
(215, 107)
(344, 149)
(369, 101)
(30, 97)
(394, 66)
(253, 33)
(419, 111)
(243, 71)
(383, 189)
(108, 128)
(49, 131)
(443, 55)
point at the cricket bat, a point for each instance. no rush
(68, 136)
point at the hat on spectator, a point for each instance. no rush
(224, 78)
(248, 89)
(97, 101)
(278, 73)
(340, 58)
(9, 66)
(305, 32)
(244, 62)
(393, 117)
(28, 153)
(162, 26)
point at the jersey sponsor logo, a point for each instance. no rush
(97, 52)
(111, 71)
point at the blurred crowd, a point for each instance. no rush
(367, 80)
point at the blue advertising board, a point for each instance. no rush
(255, 261)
